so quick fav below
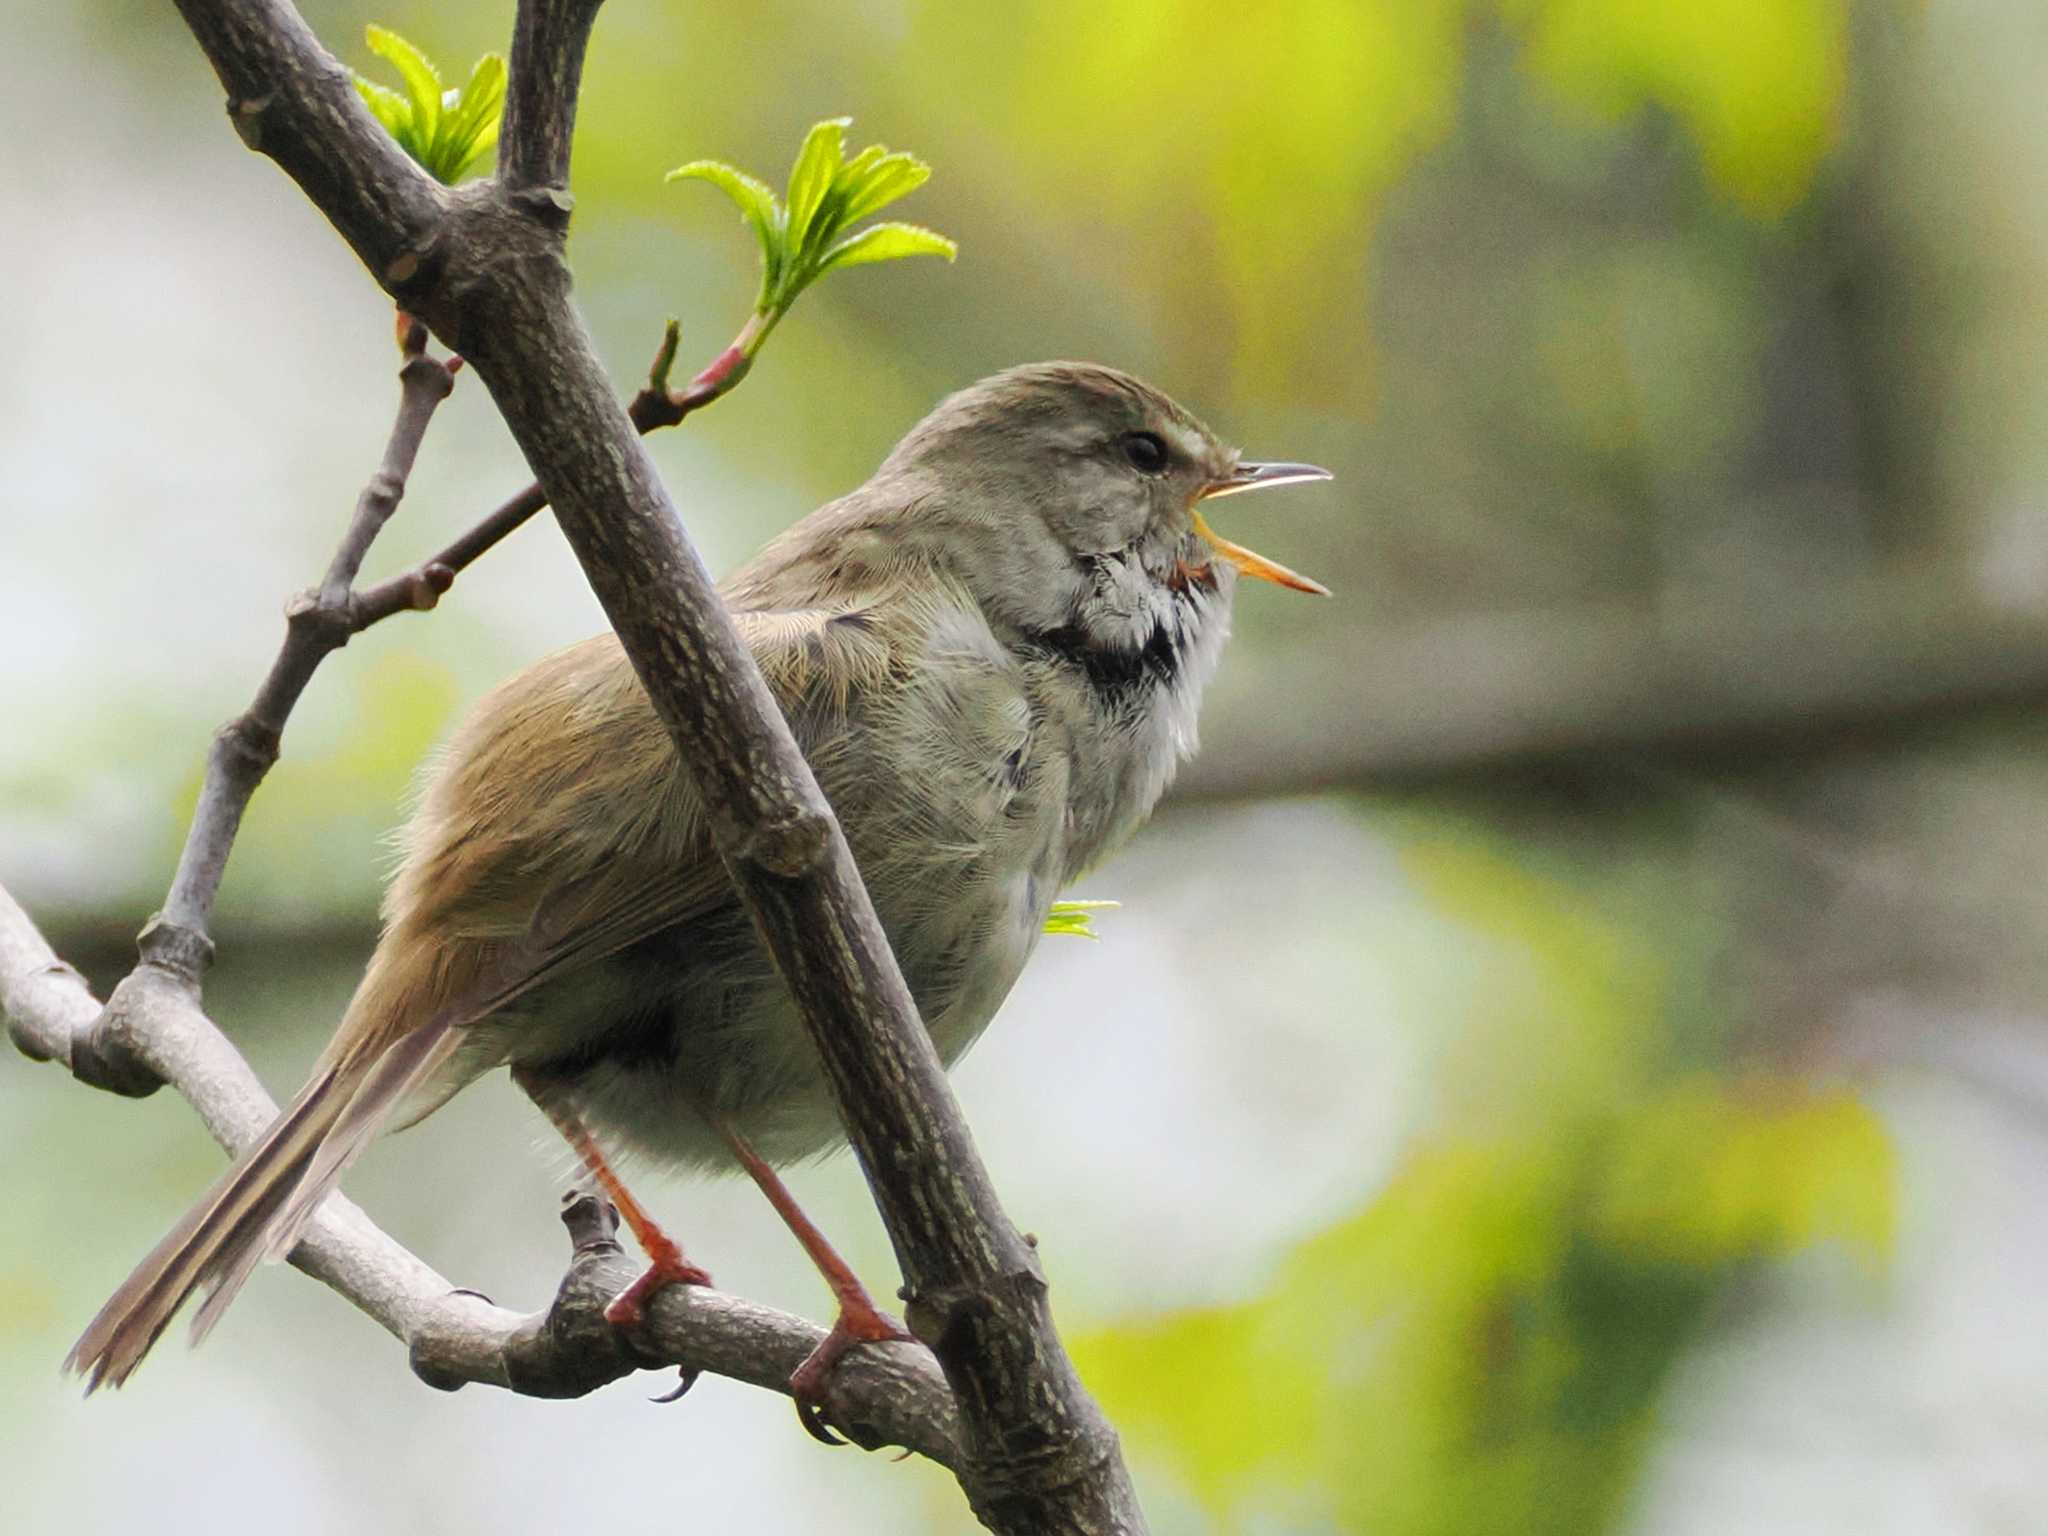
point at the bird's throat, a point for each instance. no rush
(1121, 674)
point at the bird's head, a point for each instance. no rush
(1071, 501)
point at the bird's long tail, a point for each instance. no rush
(257, 1209)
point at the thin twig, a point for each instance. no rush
(317, 622)
(176, 942)
(655, 406)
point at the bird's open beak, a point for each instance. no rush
(1253, 477)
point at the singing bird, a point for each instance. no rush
(991, 654)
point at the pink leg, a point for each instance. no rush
(666, 1264)
(860, 1321)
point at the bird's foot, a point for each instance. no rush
(666, 1267)
(859, 1322)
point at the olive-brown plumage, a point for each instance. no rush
(991, 654)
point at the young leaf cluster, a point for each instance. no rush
(809, 230)
(1076, 917)
(446, 131)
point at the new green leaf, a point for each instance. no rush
(888, 242)
(811, 177)
(756, 205)
(1075, 917)
(422, 81)
(809, 230)
(446, 131)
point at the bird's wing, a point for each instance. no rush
(615, 881)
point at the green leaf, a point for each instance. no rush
(800, 237)
(386, 105)
(757, 206)
(1074, 917)
(888, 242)
(811, 177)
(472, 129)
(422, 85)
(756, 202)
(446, 131)
(887, 179)
(856, 170)
(870, 180)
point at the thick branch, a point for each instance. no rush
(1040, 1456)
(1037, 1454)
(548, 41)
(884, 1396)
(290, 99)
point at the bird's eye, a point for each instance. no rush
(1145, 451)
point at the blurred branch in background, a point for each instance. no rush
(1721, 671)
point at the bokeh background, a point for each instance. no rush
(1571, 1057)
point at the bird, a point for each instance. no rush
(991, 654)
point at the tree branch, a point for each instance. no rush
(655, 406)
(175, 944)
(548, 41)
(290, 99)
(1037, 1454)
(317, 622)
(891, 1396)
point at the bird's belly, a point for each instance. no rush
(724, 1043)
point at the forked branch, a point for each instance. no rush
(483, 267)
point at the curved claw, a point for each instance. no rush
(812, 1416)
(686, 1378)
(807, 1383)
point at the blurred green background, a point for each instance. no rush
(1571, 1057)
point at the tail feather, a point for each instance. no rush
(257, 1209)
(362, 1114)
(193, 1251)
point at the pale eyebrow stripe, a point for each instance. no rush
(1191, 443)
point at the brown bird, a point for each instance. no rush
(991, 654)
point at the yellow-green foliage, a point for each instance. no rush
(1757, 83)
(1294, 123)
(806, 233)
(448, 132)
(1481, 1348)
(1076, 918)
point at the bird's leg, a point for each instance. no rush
(666, 1265)
(860, 1321)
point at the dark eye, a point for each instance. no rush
(1145, 451)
